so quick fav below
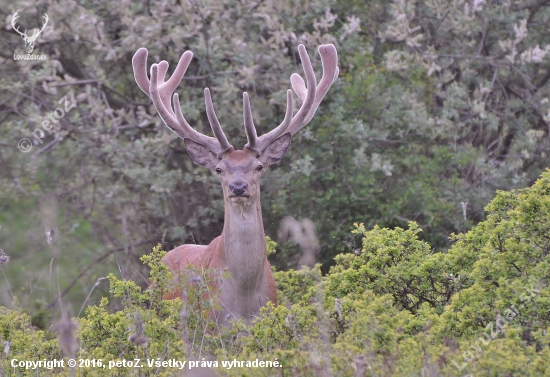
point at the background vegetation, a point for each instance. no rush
(439, 104)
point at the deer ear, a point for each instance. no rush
(276, 150)
(201, 154)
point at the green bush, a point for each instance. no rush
(395, 262)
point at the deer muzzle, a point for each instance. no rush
(238, 188)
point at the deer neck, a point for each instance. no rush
(243, 242)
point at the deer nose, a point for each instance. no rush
(238, 188)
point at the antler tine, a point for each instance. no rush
(139, 63)
(265, 140)
(299, 86)
(329, 60)
(179, 72)
(164, 94)
(311, 86)
(249, 127)
(210, 142)
(163, 68)
(165, 114)
(215, 123)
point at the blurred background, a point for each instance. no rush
(438, 105)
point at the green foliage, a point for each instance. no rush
(23, 342)
(297, 286)
(393, 308)
(271, 245)
(393, 262)
(511, 265)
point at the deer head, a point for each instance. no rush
(29, 39)
(238, 170)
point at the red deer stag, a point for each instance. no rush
(241, 248)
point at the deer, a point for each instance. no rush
(241, 248)
(29, 39)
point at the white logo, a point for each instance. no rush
(29, 39)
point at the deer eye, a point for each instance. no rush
(218, 170)
(259, 168)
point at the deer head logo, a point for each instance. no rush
(29, 39)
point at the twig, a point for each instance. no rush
(99, 280)
(48, 146)
(79, 82)
(86, 270)
(483, 37)
(8, 283)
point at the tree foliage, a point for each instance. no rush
(437, 105)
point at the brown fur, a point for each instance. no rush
(240, 250)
